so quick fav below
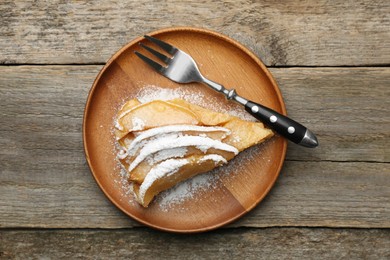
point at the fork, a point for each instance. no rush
(181, 68)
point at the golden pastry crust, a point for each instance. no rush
(166, 142)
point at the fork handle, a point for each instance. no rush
(283, 125)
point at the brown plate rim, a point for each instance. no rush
(207, 32)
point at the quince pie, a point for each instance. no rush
(165, 142)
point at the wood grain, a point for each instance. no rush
(125, 75)
(46, 182)
(66, 196)
(270, 243)
(293, 33)
(347, 108)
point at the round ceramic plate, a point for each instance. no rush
(208, 201)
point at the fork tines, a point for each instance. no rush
(150, 62)
(163, 45)
(159, 55)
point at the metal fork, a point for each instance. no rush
(181, 68)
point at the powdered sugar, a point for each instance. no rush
(237, 139)
(118, 126)
(207, 182)
(172, 141)
(192, 189)
(187, 190)
(151, 92)
(214, 157)
(122, 154)
(167, 154)
(166, 168)
(133, 147)
(138, 124)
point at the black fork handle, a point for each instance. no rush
(283, 125)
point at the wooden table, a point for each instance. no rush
(331, 61)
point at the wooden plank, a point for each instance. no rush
(346, 108)
(310, 33)
(50, 194)
(326, 194)
(270, 243)
(46, 182)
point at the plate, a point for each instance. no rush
(208, 201)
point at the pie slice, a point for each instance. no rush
(163, 143)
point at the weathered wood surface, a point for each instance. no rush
(46, 182)
(307, 194)
(270, 243)
(286, 33)
(346, 107)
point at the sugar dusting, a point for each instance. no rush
(193, 188)
(170, 142)
(138, 124)
(150, 93)
(166, 168)
(187, 190)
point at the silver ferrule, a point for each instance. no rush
(230, 94)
